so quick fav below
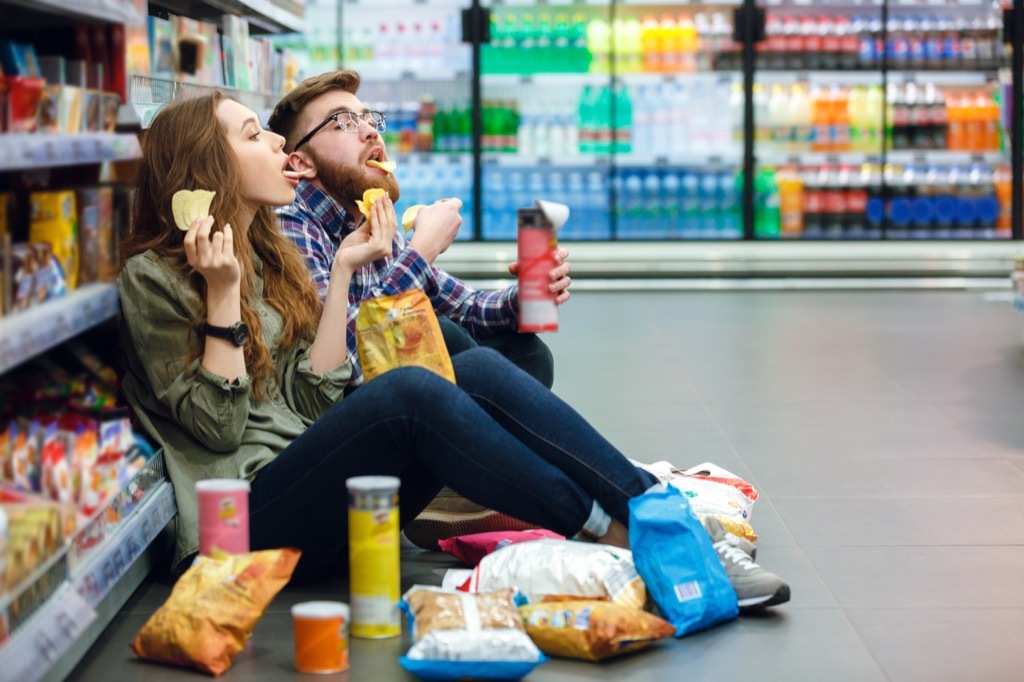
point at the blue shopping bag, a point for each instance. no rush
(674, 555)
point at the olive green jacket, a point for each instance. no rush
(209, 427)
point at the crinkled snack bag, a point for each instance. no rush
(213, 609)
(553, 569)
(470, 549)
(591, 630)
(458, 635)
(398, 331)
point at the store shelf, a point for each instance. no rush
(51, 641)
(420, 77)
(938, 157)
(265, 14)
(147, 94)
(26, 334)
(24, 151)
(869, 77)
(511, 160)
(115, 11)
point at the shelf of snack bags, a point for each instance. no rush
(49, 324)
(81, 499)
(52, 616)
(116, 11)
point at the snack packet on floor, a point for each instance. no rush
(560, 569)
(470, 549)
(591, 630)
(458, 635)
(213, 609)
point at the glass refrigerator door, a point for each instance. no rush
(677, 106)
(545, 87)
(416, 69)
(880, 122)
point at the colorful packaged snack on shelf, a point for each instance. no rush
(25, 455)
(57, 483)
(54, 220)
(213, 609)
(591, 630)
(23, 277)
(24, 94)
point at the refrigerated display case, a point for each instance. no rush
(883, 121)
(851, 120)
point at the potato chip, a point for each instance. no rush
(409, 216)
(386, 166)
(187, 205)
(370, 196)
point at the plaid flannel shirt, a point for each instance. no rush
(317, 225)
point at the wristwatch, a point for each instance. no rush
(238, 333)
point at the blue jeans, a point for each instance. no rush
(525, 351)
(499, 438)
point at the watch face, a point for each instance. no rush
(240, 334)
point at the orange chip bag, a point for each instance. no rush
(398, 331)
(213, 609)
(591, 630)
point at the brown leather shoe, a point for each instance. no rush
(450, 514)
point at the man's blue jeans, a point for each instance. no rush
(525, 351)
(499, 438)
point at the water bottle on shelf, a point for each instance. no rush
(709, 205)
(495, 194)
(652, 224)
(944, 201)
(631, 202)
(671, 193)
(598, 206)
(690, 205)
(576, 198)
(622, 136)
(731, 220)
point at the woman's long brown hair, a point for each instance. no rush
(186, 148)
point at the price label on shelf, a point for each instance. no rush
(43, 641)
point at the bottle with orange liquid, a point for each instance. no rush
(839, 98)
(1002, 178)
(956, 135)
(671, 44)
(650, 44)
(791, 208)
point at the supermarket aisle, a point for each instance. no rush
(885, 432)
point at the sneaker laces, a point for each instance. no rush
(734, 554)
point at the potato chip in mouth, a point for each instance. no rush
(386, 166)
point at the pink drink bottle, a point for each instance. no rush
(538, 239)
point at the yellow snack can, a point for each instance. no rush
(373, 551)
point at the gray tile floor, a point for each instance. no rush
(885, 431)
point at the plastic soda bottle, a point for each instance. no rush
(791, 209)
(599, 38)
(767, 216)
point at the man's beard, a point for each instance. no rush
(345, 184)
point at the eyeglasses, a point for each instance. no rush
(348, 121)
